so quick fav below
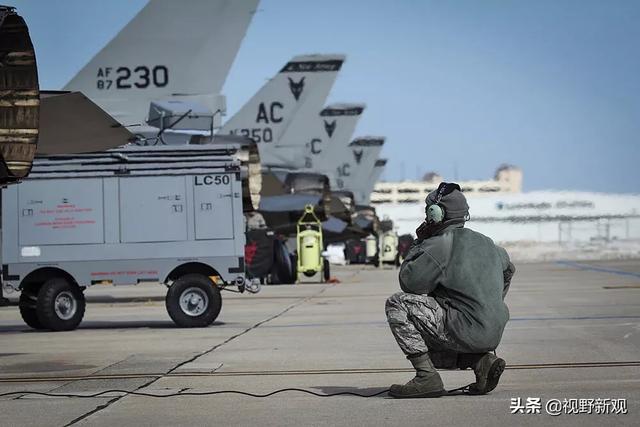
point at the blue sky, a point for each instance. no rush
(458, 87)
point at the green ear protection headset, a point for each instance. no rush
(436, 212)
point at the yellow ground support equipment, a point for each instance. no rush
(371, 249)
(389, 248)
(310, 246)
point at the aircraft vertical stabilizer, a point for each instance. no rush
(301, 86)
(378, 168)
(306, 134)
(328, 141)
(364, 154)
(168, 49)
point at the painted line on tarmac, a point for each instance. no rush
(346, 371)
(622, 287)
(588, 267)
(516, 319)
(568, 365)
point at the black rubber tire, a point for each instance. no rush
(45, 306)
(294, 267)
(282, 272)
(326, 270)
(211, 311)
(28, 306)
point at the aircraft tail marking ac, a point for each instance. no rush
(303, 82)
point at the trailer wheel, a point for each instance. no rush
(27, 304)
(326, 270)
(60, 305)
(282, 270)
(193, 301)
(294, 267)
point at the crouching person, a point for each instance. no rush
(450, 313)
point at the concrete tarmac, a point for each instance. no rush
(574, 334)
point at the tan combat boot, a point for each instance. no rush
(427, 382)
(488, 369)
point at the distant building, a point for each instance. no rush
(508, 179)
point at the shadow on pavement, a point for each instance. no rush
(99, 325)
(106, 299)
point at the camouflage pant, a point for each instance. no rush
(417, 323)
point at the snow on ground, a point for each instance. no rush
(545, 225)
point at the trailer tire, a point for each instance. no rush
(294, 267)
(60, 305)
(326, 270)
(27, 305)
(282, 270)
(193, 301)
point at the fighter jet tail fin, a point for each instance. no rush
(365, 151)
(378, 169)
(329, 149)
(305, 80)
(167, 49)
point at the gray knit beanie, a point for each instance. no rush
(454, 204)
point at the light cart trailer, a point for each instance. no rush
(141, 214)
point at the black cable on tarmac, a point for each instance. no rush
(209, 393)
(192, 393)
